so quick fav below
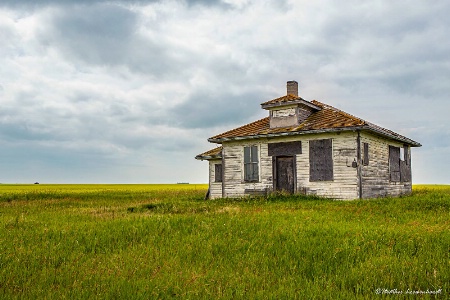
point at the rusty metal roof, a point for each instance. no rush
(210, 154)
(327, 119)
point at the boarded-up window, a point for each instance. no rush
(405, 172)
(251, 168)
(320, 160)
(399, 164)
(405, 166)
(366, 154)
(218, 173)
(394, 163)
(285, 149)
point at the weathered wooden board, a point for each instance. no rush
(394, 163)
(215, 188)
(284, 169)
(376, 176)
(285, 149)
(344, 184)
(321, 160)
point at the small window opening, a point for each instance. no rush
(218, 173)
(366, 154)
(251, 164)
(402, 153)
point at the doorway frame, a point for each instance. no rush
(274, 171)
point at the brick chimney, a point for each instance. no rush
(292, 88)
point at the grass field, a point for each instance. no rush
(164, 241)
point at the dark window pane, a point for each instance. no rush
(255, 171)
(254, 154)
(251, 163)
(366, 154)
(394, 163)
(218, 172)
(246, 155)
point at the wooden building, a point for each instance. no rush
(312, 148)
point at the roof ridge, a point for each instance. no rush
(355, 118)
(364, 122)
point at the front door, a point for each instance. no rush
(284, 173)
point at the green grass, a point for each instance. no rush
(164, 241)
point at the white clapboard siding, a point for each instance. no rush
(215, 188)
(233, 170)
(375, 176)
(345, 184)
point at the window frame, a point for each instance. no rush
(365, 154)
(251, 163)
(218, 173)
(394, 164)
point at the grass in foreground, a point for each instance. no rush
(148, 241)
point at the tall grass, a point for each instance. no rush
(165, 241)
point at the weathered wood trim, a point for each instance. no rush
(275, 161)
(223, 173)
(358, 167)
(285, 149)
(364, 128)
(208, 193)
(294, 158)
(256, 192)
(274, 173)
(252, 162)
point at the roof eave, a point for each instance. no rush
(280, 134)
(403, 139)
(315, 131)
(208, 157)
(293, 102)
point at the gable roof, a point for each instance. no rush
(327, 119)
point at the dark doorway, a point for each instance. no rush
(284, 173)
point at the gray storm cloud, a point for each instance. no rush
(135, 87)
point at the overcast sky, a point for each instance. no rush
(129, 91)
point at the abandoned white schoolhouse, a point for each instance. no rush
(309, 147)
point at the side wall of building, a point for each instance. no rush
(343, 186)
(215, 188)
(376, 176)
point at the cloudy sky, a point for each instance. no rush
(129, 91)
